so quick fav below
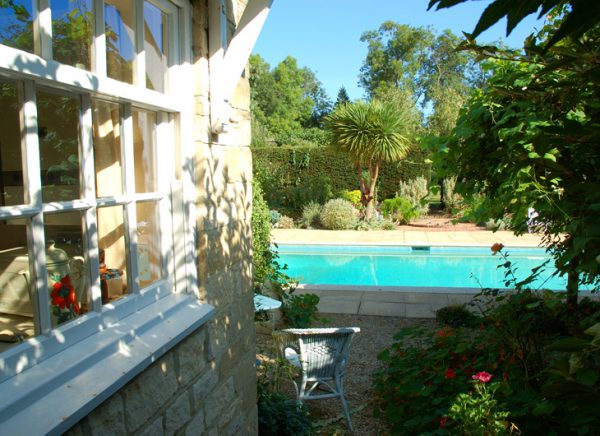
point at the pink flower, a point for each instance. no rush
(482, 376)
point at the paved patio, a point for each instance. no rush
(479, 238)
(395, 301)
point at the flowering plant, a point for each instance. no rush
(64, 300)
(477, 412)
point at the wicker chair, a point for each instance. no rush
(321, 354)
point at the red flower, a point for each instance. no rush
(450, 373)
(482, 376)
(497, 247)
(443, 420)
(63, 295)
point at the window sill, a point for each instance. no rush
(55, 394)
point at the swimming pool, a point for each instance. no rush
(416, 266)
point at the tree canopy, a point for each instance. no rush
(287, 98)
(529, 139)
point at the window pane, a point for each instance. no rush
(16, 24)
(107, 148)
(113, 262)
(11, 162)
(149, 247)
(119, 21)
(16, 309)
(58, 127)
(156, 46)
(144, 143)
(67, 274)
(72, 32)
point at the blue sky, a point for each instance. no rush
(324, 35)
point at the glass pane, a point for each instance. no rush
(113, 262)
(67, 273)
(11, 162)
(149, 248)
(107, 148)
(156, 46)
(72, 32)
(16, 310)
(58, 127)
(16, 24)
(119, 20)
(144, 150)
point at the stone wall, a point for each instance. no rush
(207, 383)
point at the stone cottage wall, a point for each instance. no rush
(207, 383)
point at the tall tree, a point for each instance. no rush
(395, 58)
(370, 133)
(286, 98)
(342, 97)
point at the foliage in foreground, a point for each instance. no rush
(542, 354)
(530, 138)
(277, 413)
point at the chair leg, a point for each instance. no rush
(339, 381)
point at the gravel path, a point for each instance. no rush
(376, 334)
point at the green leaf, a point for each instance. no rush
(569, 344)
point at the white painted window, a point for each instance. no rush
(92, 124)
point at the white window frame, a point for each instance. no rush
(114, 341)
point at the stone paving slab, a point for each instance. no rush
(479, 238)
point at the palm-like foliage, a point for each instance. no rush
(370, 133)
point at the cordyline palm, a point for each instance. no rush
(370, 133)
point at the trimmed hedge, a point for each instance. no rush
(294, 176)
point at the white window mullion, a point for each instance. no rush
(130, 218)
(164, 141)
(90, 239)
(99, 49)
(140, 61)
(43, 30)
(33, 195)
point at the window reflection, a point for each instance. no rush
(58, 128)
(144, 151)
(149, 247)
(156, 46)
(72, 32)
(65, 264)
(113, 262)
(120, 36)
(107, 148)
(16, 308)
(16, 24)
(11, 162)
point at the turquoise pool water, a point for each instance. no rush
(453, 267)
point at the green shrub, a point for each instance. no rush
(310, 215)
(299, 310)
(457, 315)
(399, 209)
(261, 236)
(277, 413)
(275, 216)
(338, 214)
(352, 196)
(285, 222)
(452, 200)
(416, 191)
